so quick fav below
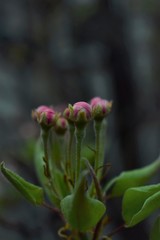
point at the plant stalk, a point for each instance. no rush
(45, 136)
(80, 133)
(99, 128)
(69, 152)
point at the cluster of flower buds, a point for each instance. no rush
(80, 113)
(64, 160)
(47, 118)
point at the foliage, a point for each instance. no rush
(71, 174)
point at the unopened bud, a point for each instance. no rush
(45, 116)
(81, 112)
(100, 108)
(61, 126)
(67, 113)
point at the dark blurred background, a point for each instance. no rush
(62, 51)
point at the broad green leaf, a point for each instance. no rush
(132, 178)
(32, 193)
(81, 211)
(138, 203)
(155, 232)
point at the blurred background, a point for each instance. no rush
(62, 51)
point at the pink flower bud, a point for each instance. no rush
(43, 108)
(45, 116)
(61, 125)
(95, 100)
(67, 113)
(100, 108)
(81, 112)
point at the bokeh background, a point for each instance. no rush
(62, 51)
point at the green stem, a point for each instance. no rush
(54, 210)
(83, 236)
(79, 235)
(80, 133)
(62, 152)
(69, 153)
(45, 135)
(97, 230)
(118, 229)
(47, 173)
(99, 128)
(96, 183)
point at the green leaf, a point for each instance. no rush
(81, 211)
(138, 203)
(32, 193)
(155, 232)
(133, 178)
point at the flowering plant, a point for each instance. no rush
(71, 174)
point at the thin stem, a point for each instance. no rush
(69, 153)
(47, 173)
(45, 135)
(83, 236)
(96, 182)
(97, 230)
(79, 235)
(118, 229)
(62, 152)
(80, 133)
(99, 128)
(100, 226)
(55, 210)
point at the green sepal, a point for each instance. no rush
(155, 231)
(81, 211)
(138, 203)
(132, 178)
(31, 192)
